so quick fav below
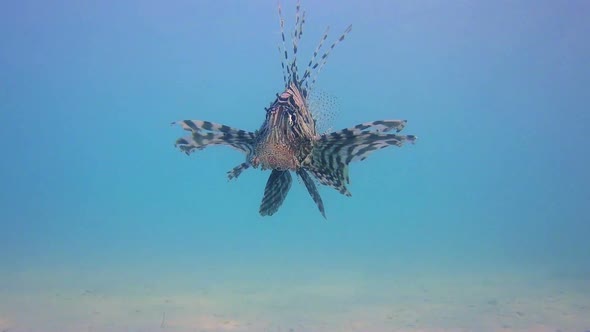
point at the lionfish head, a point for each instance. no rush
(280, 118)
(277, 144)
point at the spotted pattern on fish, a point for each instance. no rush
(288, 140)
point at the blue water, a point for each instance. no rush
(94, 196)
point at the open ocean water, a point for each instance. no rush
(482, 225)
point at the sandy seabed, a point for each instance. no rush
(335, 302)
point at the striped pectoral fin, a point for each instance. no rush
(366, 143)
(236, 171)
(275, 192)
(334, 175)
(379, 126)
(357, 142)
(312, 189)
(334, 151)
(204, 133)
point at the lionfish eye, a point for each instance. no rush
(291, 117)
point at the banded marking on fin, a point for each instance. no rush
(296, 37)
(334, 151)
(312, 189)
(275, 192)
(310, 66)
(205, 133)
(283, 49)
(323, 59)
(236, 171)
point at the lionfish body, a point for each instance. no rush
(288, 140)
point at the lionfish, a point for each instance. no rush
(288, 140)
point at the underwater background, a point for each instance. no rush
(482, 225)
